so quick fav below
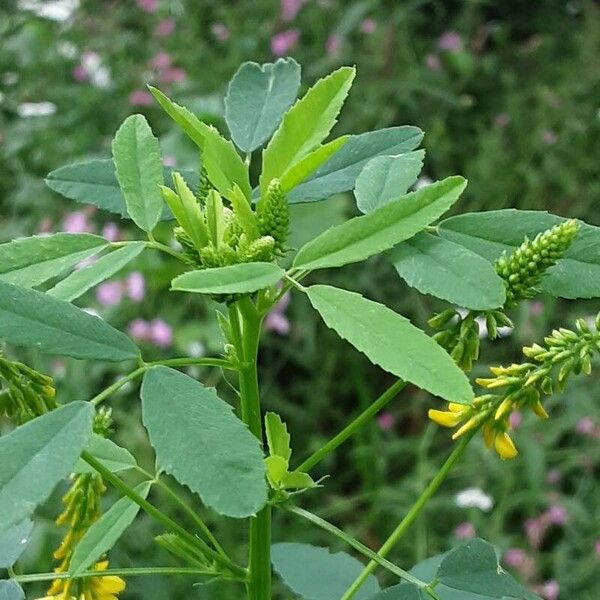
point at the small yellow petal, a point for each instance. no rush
(470, 424)
(111, 585)
(539, 410)
(488, 436)
(456, 408)
(505, 447)
(503, 409)
(444, 418)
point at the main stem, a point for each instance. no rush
(412, 514)
(247, 321)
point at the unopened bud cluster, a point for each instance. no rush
(523, 270)
(522, 386)
(26, 394)
(214, 232)
(459, 335)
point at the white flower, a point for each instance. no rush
(36, 109)
(196, 349)
(474, 498)
(56, 10)
(98, 73)
(423, 181)
(67, 50)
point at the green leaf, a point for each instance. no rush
(244, 213)
(489, 234)
(235, 279)
(136, 153)
(473, 567)
(277, 470)
(339, 173)
(31, 261)
(11, 590)
(298, 480)
(427, 571)
(448, 271)
(404, 591)
(13, 542)
(37, 455)
(391, 341)
(385, 178)
(113, 457)
(34, 319)
(310, 163)
(222, 162)
(95, 182)
(201, 443)
(367, 235)
(186, 208)
(79, 282)
(315, 574)
(257, 98)
(278, 437)
(103, 534)
(305, 125)
(189, 123)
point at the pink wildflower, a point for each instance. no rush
(585, 426)
(161, 60)
(76, 222)
(368, 26)
(164, 28)
(465, 531)
(386, 420)
(333, 45)
(557, 514)
(290, 8)
(149, 6)
(109, 293)
(220, 32)
(276, 320)
(79, 73)
(139, 330)
(161, 333)
(141, 98)
(450, 41)
(172, 75)
(135, 286)
(110, 231)
(284, 42)
(549, 590)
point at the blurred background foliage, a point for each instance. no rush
(508, 94)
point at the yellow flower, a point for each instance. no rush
(505, 447)
(445, 418)
(92, 588)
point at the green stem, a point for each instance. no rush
(352, 427)
(413, 513)
(131, 572)
(170, 362)
(160, 517)
(111, 389)
(354, 543)
(247, 326)
(150, 243)
(188, 510)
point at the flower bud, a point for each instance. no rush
(523, 270)
(273, 215)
